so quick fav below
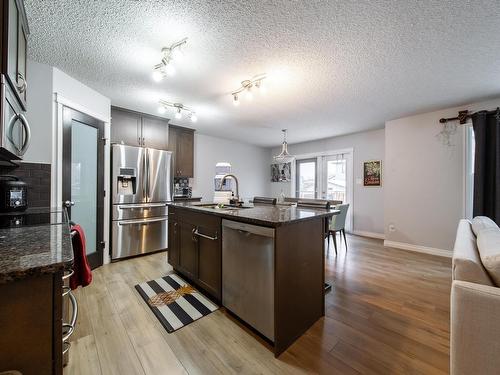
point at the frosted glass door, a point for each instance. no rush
(84, 142)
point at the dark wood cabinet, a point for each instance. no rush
(31, 325)
(188, 250)
(14, 47)
(181, 143)
(138, 129)
(195, 249)
(155, 133)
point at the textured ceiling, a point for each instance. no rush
(334, 67)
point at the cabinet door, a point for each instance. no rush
(125, 127)
(209, 261)
(172, 146)
(12, 40)
(173, 242)
(188, 250)
(185, 153)
(155, 133)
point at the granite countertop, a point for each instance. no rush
(266, 215)
(36, 249)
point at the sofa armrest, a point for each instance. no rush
(475, 329)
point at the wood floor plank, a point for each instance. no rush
(388, 313)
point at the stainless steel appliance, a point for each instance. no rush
(15, 133)
(248, 274)
(13, 194)
(141, 188)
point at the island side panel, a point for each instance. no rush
(299, 280)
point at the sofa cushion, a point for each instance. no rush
(467, 264)
(488, 244)
(482, 222)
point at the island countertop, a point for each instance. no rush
(36, 249)
(261, 214)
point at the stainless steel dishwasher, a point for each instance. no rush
(248, 274)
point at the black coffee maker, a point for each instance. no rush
(13, 194)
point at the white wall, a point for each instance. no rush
(424, 180)
(39, 113)
(368, 202)
(249, 163)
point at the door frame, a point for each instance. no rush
(70, 115)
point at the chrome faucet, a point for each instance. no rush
(230, 175)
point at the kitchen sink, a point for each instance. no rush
(226, 207)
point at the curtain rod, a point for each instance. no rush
(464, 115)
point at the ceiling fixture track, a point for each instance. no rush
(179, 110)
(247, 86)
(169, 55)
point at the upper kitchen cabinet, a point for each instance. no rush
(181, 143)
(14, 47)
(138, 129)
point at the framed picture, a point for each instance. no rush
(281, 172)
(372, 173)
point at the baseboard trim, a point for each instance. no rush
(419, 249)
(363, 233)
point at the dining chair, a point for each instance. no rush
(337, 224)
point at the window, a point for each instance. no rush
(306, 180)
(335, 178)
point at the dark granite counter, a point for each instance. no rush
(42, 246)
(266, 215)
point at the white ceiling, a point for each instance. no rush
(334, 67)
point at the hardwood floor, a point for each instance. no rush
(388, 313)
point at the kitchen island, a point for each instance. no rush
(36, 251)
(263, 263)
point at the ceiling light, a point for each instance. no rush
(246, 87)
(179, 109)
(248, 93)
(170, 70)
(178, 55)
(169, 54)
(157, 76)
(284, 156)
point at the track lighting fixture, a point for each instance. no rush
(169, 55)
(179, 109)
(247, 87)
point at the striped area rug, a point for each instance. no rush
(174, 302)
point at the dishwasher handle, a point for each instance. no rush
(249, 228)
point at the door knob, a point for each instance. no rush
(69, 204)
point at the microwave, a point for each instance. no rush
(15, 133)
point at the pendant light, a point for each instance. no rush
(284, 156)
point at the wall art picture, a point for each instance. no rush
(281, 172)
(372, 173)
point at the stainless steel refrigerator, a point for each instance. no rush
(141, 187)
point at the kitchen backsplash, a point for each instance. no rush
(37, 176)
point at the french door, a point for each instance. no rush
(83, 178)
(328, 176)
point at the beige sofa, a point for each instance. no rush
(475, 299)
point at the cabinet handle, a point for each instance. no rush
(22, 88)
(197, 233)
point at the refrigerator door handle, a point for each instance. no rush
(133, 206)
(148, 175)
(144, 175)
